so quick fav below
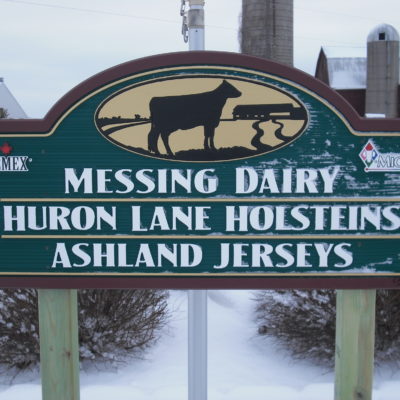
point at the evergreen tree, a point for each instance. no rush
(3, 113)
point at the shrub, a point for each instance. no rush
(303, 321)
(387, 345)
(19, 337)
(113, 324)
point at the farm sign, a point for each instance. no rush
(200, 169)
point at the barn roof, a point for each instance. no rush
(9, 103)
(343, 67)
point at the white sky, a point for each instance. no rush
(50, 46)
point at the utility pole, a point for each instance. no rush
(196, 25)
(193, 31)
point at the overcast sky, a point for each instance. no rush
(50, 46)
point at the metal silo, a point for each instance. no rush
(382, 71)
(267, 29)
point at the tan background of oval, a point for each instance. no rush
(227, 134)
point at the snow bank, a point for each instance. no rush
(241, 365)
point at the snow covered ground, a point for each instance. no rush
(241, 365)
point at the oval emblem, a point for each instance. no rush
(189, 118)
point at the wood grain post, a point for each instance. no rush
(355, 337)
(59, 348)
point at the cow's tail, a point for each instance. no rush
(152, 139)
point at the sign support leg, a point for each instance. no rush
(197, 351)
(355, 336)
(59, 348)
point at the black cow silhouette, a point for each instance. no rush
(170, 113)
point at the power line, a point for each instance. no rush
(340, 14)
(116, 14)
(177, 22)
(89, 10)
(322, 40)
(104, 12)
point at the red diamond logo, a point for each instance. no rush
(6, 149)
(369, 147)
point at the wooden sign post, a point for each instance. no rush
(202, 170)
(59, 347)
(355, 333)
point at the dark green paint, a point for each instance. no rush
(77, 144)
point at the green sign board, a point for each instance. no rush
(200, 169)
